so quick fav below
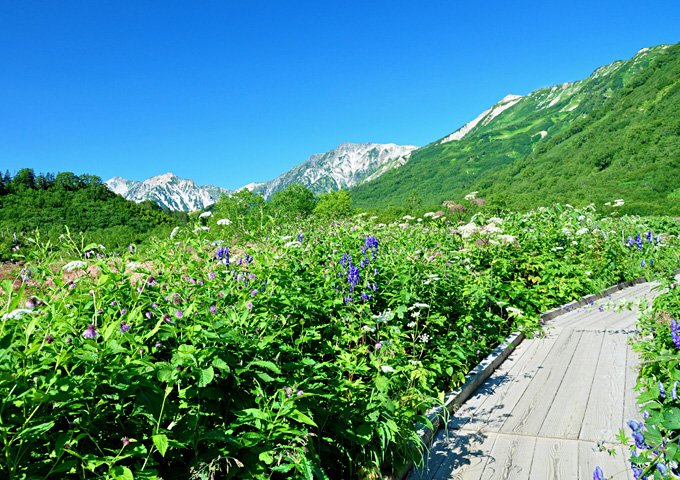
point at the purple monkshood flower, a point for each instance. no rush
(645, 414)
(179, 313)
(249, 305)
(674, 332)
(642, 263)
(662, 468)
(124, 327)
(639, 439)
(598, 475)
(90, 332)
(662, 391)
(674, 391)
(634, 426)
(213, 309)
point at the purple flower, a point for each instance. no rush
(249, 305)
(49, 339)
(31, 303)
(123, 311)
(124, 327)
(378, 346)
(151, 281)
(674, 391)
(114, 303)
(253, 293)
(158, 345)
(299, 393)
(167, 318)
(634, 426)
(180, 368)
(90, 332)
(674, 332)
(179, 313)
(213, 309)
(148, 315)
(212, 275)
(598, 475)
(125, 440)
(131, 248)
(642, 263)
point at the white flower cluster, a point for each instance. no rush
(16, 314)
(70, 266)
(224, 221)
(205, 214)
(515, 311)
(471, 196)
(424, 338)
(384, 317)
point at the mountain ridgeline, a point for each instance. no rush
(614, 135)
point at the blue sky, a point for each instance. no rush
(228, 93)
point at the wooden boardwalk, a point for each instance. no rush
(542, 412)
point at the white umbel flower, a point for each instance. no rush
(70, 266)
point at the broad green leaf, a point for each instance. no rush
(269, 365)
(671, 419)
(161, 443)
(121, 473)
(206, 376)
(302, 418)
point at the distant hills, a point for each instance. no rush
(615, 134)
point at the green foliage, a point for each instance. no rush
(295, 200)
(312, 351)
(336, 204)
(51, 205)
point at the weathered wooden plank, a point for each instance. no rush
(463, 456)
(604, 413)
(493, 412)
(510, 458)
(470, 408)
(530, 412)
(555, 459)
(565, 417)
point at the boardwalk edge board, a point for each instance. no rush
(483, 370)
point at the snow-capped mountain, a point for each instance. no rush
(169, 191)
(342, 167)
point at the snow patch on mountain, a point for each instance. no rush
(484, 118)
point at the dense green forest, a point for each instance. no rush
(613, 135)
(47, 204)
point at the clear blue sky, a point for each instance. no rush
(230, 92)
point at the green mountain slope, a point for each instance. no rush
(613, 135)
(49, 203)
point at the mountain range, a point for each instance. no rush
(615, 134)
(345, 166)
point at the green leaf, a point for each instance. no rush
(302, 418)
(206, 376)
(269, 365)
(121, 473)
(221, 364)
(161, 443)
(266, 457)
(671, 419)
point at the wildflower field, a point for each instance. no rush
(307, 349)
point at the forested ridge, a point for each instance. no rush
(49, 203)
